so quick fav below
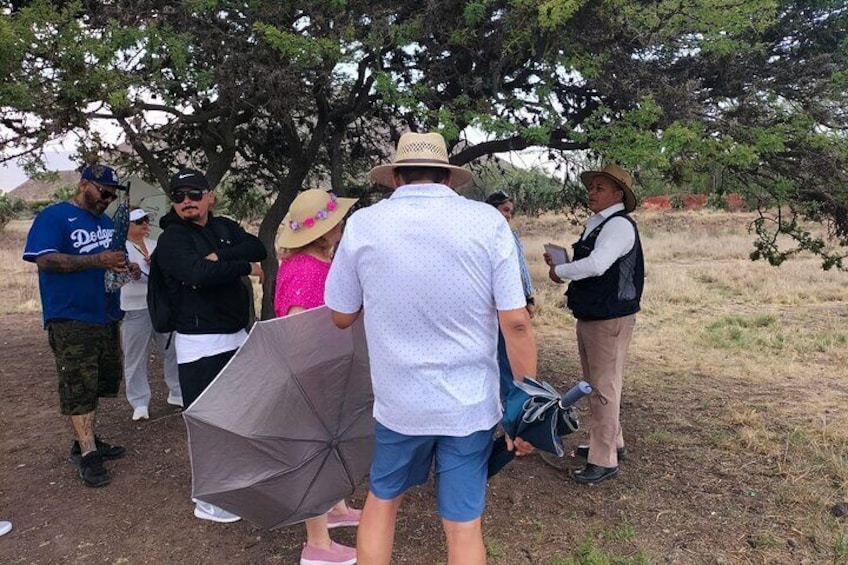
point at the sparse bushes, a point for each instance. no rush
(63, 193)
(534, 192)
(10, 208)
(244, 203)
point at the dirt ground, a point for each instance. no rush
(683, 502)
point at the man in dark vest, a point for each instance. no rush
(607, 274)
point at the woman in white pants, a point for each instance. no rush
(137, 330)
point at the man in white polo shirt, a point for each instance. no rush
(434, 274)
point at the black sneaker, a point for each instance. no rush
(92, 472)
(106, 450)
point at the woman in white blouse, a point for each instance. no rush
(137, 330)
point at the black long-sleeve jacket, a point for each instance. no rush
(209, 295)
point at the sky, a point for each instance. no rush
(58, 159)
(12, 176)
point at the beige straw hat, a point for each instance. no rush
(621, 177)
(313, 213)
(420, 150)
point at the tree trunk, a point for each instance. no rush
(268, 234)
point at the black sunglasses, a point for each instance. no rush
(104, 194)
(193, 195)
(142, 221)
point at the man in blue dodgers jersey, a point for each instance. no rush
(69, 241)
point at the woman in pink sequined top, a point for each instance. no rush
(311, 230)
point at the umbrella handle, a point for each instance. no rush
(575, 393)
(500, 457)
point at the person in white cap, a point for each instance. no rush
(5, 527)
(434, 273)
(137, 332)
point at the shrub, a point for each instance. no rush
(37, 206)
(63, 193)
(717, 201)
(10, 208)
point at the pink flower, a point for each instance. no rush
(331, 206)
(309, 222)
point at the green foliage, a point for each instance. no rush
(10, 209)
(63, 193)
(706, 97)
(840, 549)
(37, 206)
(301, 50)
(555, 13)
(716, 201)
(245, 204)
(533, 192)
(770, 226)
(737, 332)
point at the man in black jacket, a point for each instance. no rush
(607, 276)
(203, 258)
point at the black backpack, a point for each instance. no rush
(162, 311)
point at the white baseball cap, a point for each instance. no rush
(137, 214)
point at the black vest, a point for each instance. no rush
(617, 292)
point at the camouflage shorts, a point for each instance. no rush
(89, 363)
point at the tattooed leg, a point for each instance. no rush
(83, 426)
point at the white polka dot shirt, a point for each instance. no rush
(430, 270)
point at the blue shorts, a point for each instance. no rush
(402, 462)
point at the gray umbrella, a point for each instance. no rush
(285, 430)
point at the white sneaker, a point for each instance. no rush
(5, 527)
(206, 511)
(175, 400)
(141, 413)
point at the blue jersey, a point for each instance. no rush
(78, 295)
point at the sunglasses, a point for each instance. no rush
(104, 194)
(193, 195)
(142, 221)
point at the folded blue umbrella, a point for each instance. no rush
(112, 279)
(537, 413)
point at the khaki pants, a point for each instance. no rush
(603, 353)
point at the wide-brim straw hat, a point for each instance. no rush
(620, 177)
(313, 213)
(420, 150)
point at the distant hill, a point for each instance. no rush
(34, 190)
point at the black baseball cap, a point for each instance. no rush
(188, 178)
(498, 198)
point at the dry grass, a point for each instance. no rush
(752, 357)
(740, 364)
(18, 279)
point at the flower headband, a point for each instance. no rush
(309, 221)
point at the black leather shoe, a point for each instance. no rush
(592, 474)
(583, 451)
